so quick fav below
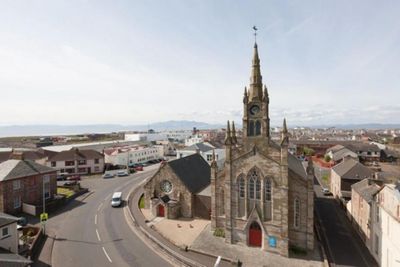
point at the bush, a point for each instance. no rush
(141, 202)
(308, 151)
(219, 232)
(327, 158)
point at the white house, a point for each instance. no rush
(192, 140)
(8, 232)
(204, 149)
(385, 221)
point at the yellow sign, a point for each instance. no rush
(44, 217)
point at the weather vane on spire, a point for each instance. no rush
(255, 33)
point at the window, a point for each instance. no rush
(96, 161)
(16, 184)
(241, 187)
(258, 128)
(69, 163)
(376, 244)
(209, 157)
(296, 213)
(251, 188)
(82, 170)
(267, 189)
(258, 189)
(251, 128)
(254, 186)
(17, 202)
(96, 169)
(377, 213)
(53, 164)
(4, 232)
(81, 162)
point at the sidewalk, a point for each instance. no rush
(190, 258)
(208, 243)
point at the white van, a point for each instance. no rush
(116, 199)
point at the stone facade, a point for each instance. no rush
(262, 196)
(181, 199)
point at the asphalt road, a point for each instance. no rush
(95, 234)
(342, 244)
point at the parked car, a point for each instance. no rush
(122, 173)
(71, 183)
(108, 175)
(138, 168)
(116, 199)
(21, 222)
(62, 176)
(74, 178)
(325, 191)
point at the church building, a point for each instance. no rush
(262, 196)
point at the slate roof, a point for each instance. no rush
(296, 166)
(193, 171)
(29, 155)
(10, 259)
(334, 148)
(14, 168)
(340, 154)
(6, 219)
(355, 147)
(199, 146)
(352, 169)
(75, 154)
(366, 188)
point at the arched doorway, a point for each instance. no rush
(160, 212)
(255, 235)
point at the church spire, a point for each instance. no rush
(255, 90)
(228, 138)
(234, 139)
(285, 134)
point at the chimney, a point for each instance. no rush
(17, 155)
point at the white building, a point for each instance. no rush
(133, 154)
(166, 135)
(192, 140)
(8, 233)
(204, 149)
(385, 221)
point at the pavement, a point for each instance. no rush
(208, 243)
(341, 242)
(181, 232)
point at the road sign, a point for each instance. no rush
(44, 217)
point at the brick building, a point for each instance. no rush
(21, 181)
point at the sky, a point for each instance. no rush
(137, 62)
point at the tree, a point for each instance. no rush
(327, 158)
(308, 151)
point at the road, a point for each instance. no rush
(95, 234)
(342, 244)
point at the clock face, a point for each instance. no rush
(166, 186)
(254, 109)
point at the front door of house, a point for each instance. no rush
(255, 235)
(160, 210)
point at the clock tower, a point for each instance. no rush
(255, 106)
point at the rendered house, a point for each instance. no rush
(76, 161)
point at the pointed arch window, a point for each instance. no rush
(254, 187)
(241, 187)
(268, 189)
(296, 222)
(251, 128)
(258, 128)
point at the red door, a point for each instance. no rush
(255, 235)
(160, 210)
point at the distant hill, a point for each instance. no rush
(372, 126)
(43, 130)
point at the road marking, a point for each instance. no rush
(95, 219)
(101, 204)
(98, 236)
(108, 257)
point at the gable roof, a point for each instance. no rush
(335, 148)
(366, 188)
(6, 219)
(76, 154)
(14, 168)
(352, 169)
(193, 171)
(203, 147)
(344, 152)
(296, 166)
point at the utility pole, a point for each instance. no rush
(44, 208)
